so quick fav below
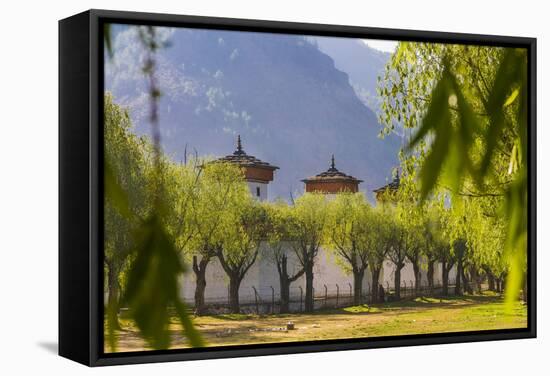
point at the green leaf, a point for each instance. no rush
(511, 98)
(516, 236)
(152, 286)
(107, 38)
(438, 105)
(437, 121)
(508, 75)
(468, 125)
(437, 155)
(191, 332)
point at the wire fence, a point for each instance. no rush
(267, 300)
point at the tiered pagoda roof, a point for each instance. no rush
(388, 191)
(332, 181)
(332, 175)
(240, 157)
(392, 186)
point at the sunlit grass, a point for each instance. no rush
(419, 316)
(363, 308)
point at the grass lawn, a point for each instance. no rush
(423, 315)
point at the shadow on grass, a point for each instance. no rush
(253, 316)
(450, 302)
(234, 316)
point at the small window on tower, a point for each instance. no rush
(258, 191)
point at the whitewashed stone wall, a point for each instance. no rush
(263, 275)
(256, 188)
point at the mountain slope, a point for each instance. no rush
(362, 63)
(287, 100)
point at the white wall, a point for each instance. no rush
(407, 274)
(253, 186)
(327, 271)
(263, 275)
(28, 193)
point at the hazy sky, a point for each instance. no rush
(382, 45)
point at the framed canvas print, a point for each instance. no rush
(239, 187)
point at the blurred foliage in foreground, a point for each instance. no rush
(467, 109)
(143, 242)
(142, 225)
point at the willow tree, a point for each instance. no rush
(405, 212)
(144, 223)
(279, 225)
(409, 218)
(415, 253)
(400, 241)
(445, 247)
(433, 237)
(467, 108)
(489, 250)
(349, 235)
(473, 231)
(127, 170)
(381, 243)
(240, 245)
(309, 218)
(455, 232)
(217, 195)
(433, 231)
(484, 235)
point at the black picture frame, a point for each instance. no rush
(81, 194)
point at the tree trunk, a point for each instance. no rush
(200, 276)
(491, 281)
(467, 283)
(397, 283)
(285, 295)
(284, 283)
(444, 279)
(308, 304)
(430, 274)
(358, 275)
(417, 277)
(459, 273)
(474, 281)
(114, 292)
(479, 283)
(375, 283)
(234, 284)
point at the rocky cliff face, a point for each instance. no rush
(362, 63)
